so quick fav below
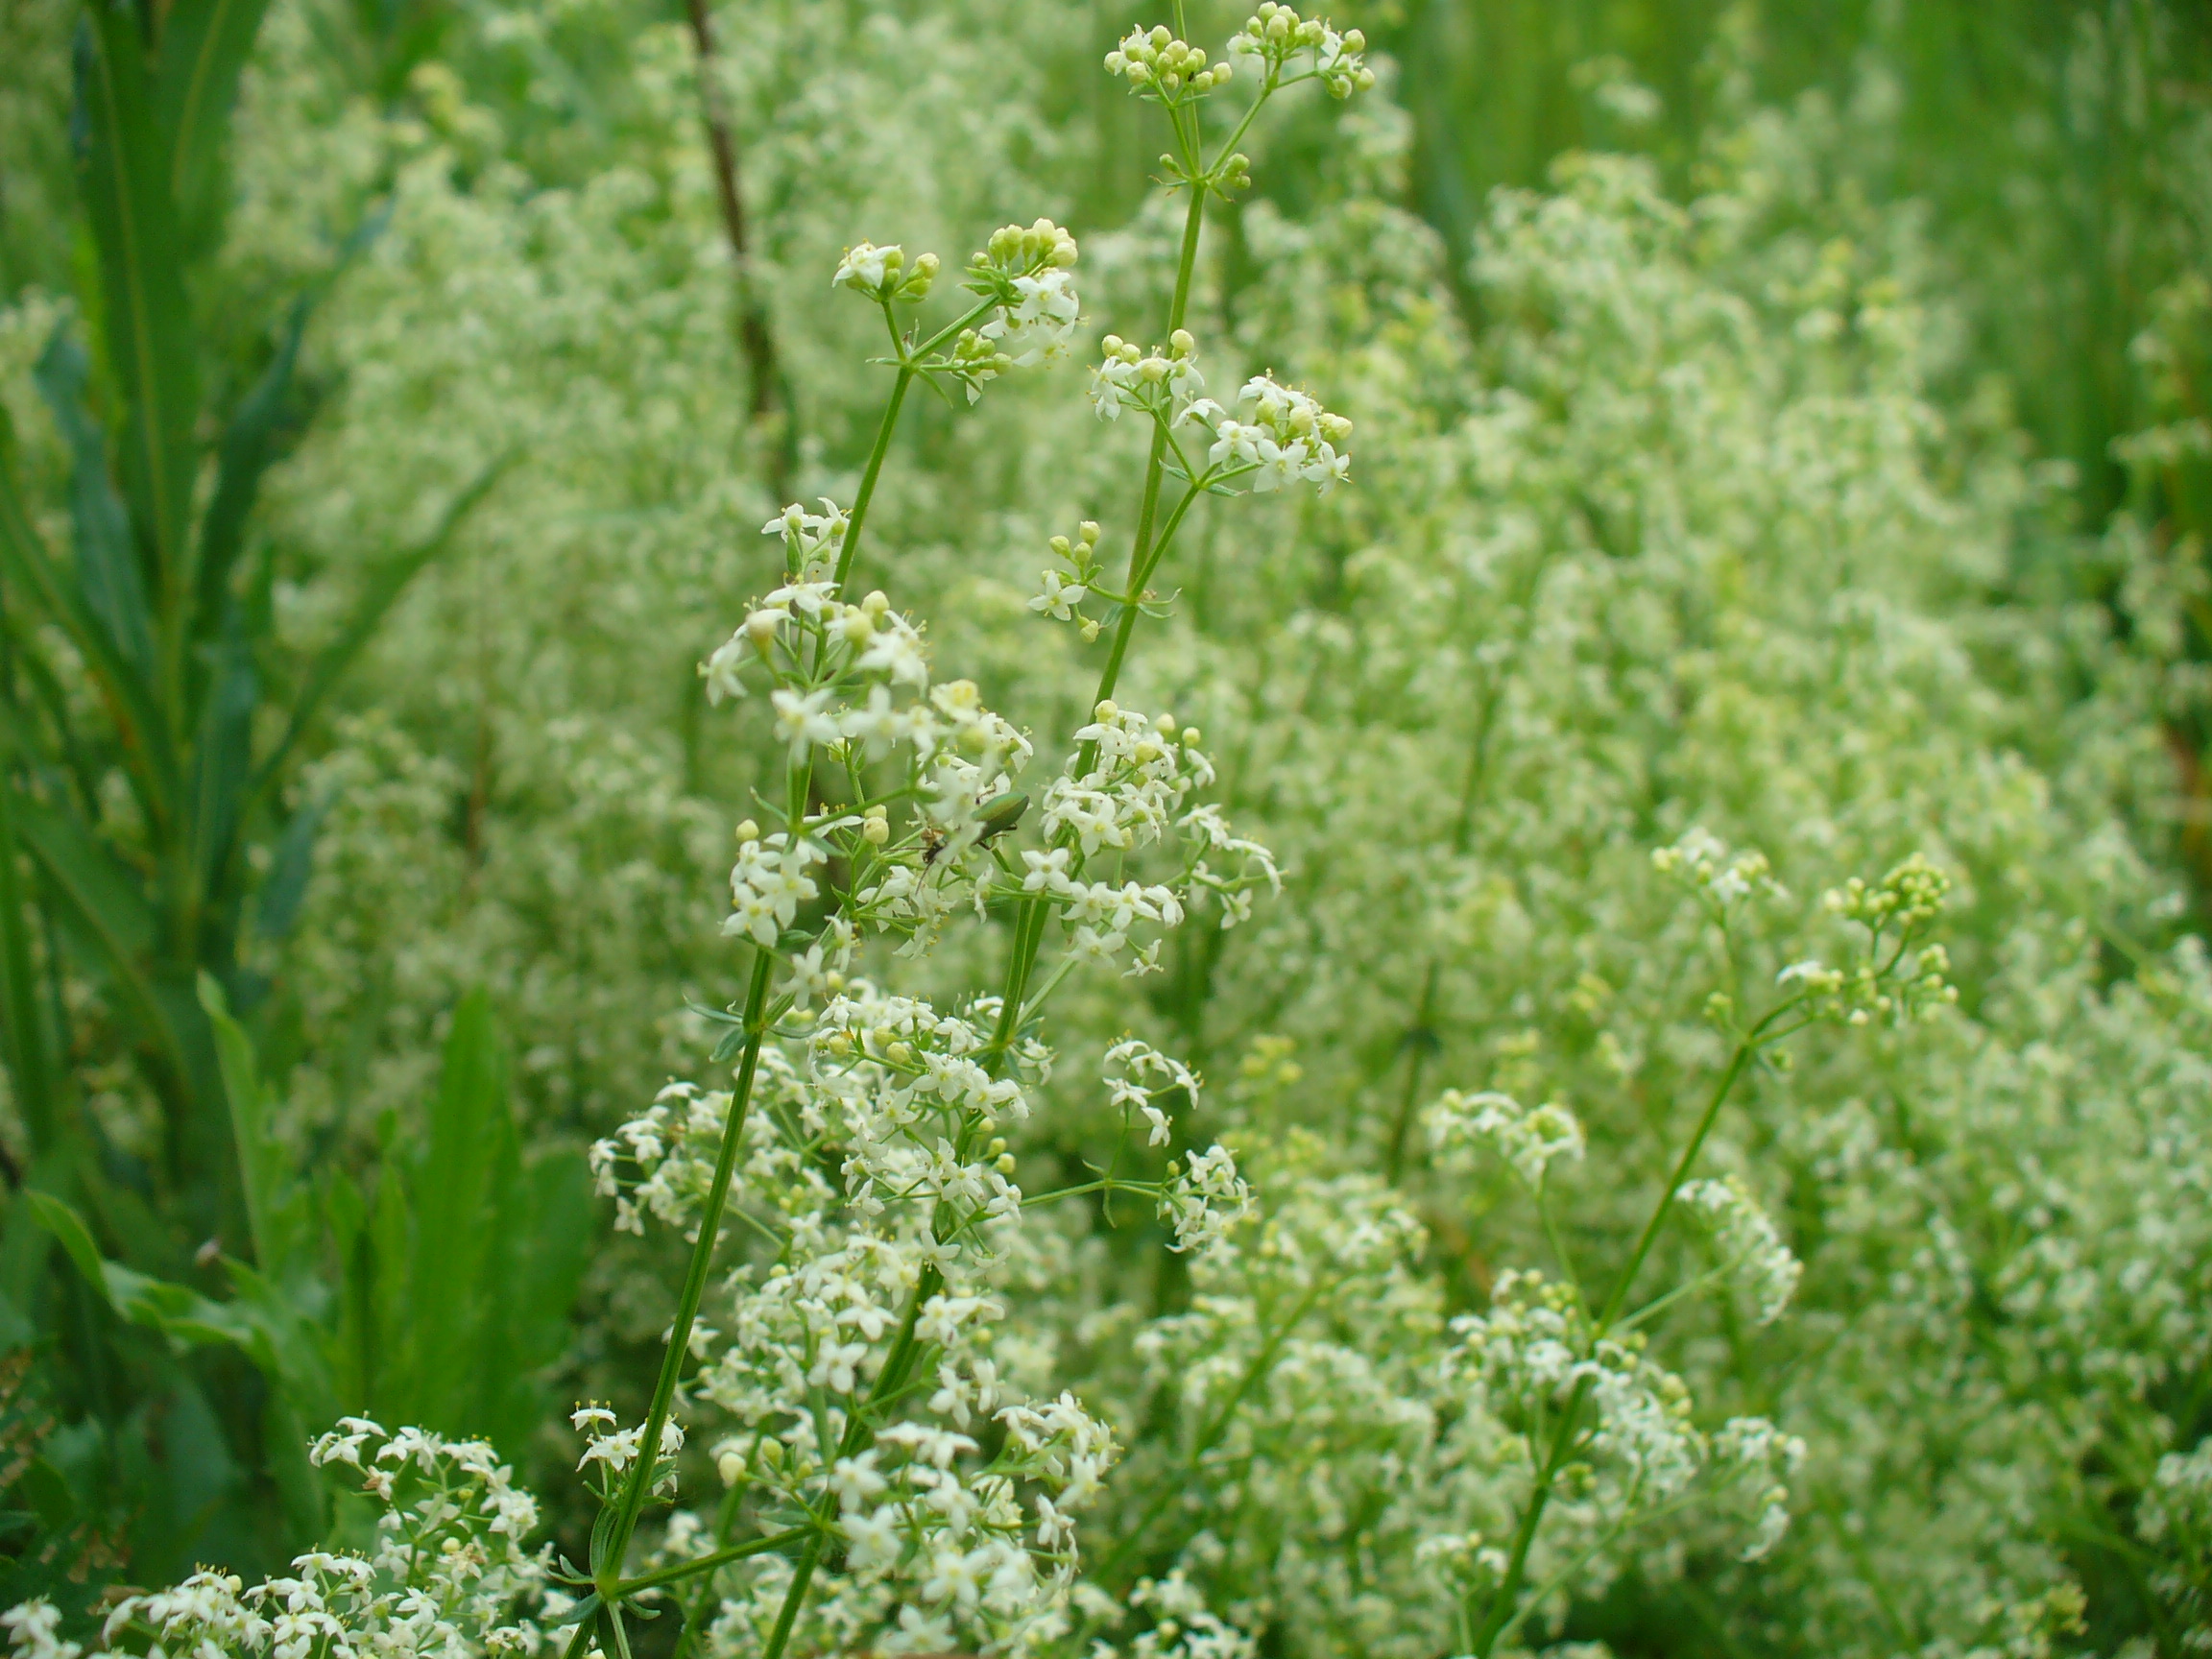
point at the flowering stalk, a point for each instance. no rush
(1885, 984)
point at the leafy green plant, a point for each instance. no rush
(149, 722)
(442, 1297)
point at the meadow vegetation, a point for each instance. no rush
(836, 826)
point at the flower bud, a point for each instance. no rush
(1089, 531)
(748, 831)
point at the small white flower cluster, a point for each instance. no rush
(1142, 772)
(1060, 597)
(810, 541)
(853, 680)
(608, 1450)
(1276, 436)
(672, 1146)
(1183, 1626)
(1752, 1250)
(1127, 1063)
(1703, 861)
(448, 1573)
(1164, 382)
(1535, 1351)
(880, 274)
(1754, 1462)
(1276, 36)
(895, 1098)
(1029, 270)
(35, 1631)
(1530, 1142)
(1300, 1384)
(1159, 65)
(1203, 1199)
(1025, 277)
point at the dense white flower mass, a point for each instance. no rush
(449, 1572)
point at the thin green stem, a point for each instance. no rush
(1619, 1297)
(1210, 1436)
(858, 516)
(1502, 1601)
(707, 1563)
(1130, 610)
(641, 1482)
(787, 1615)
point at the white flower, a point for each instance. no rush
(1060, 598)
(805, 718)
(1530, 1142)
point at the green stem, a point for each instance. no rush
(1508, 1590)
(1122, 629)
(1210, 1436)
(707, 1563)
(641, 1482)
(787, 1615)
(858, 516)
(1619, 1298)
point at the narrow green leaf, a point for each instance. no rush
(123, 686)
(257, 1164)
(290, 866)
(222, 765)
(71, 1234)
(99, 898)
(108, 569)
(383, 590)
(205, 44)
(249, 440)
(149, 326)
(25, 1031)
(248, 446)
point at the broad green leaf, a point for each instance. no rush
(151, 346)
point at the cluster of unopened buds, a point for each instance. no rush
(1155, 63)
(1276, 34)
